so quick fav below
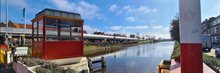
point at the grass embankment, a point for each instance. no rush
(92, 50)
(212, 62)
(145, 42)
(176, 50)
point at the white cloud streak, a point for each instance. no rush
(87, 10)
(130, 19)
(129, 9)
(157, 26)
(90, 29)
(115, 28)
(158, 31)
(20, 4)
(113, 7)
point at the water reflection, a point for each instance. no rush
(137, 59)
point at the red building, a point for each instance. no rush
(57, 34)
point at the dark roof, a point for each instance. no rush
(2, 24)
(47, 9)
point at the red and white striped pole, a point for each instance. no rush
(190, 33)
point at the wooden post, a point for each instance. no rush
(103, 62)
(90, 64)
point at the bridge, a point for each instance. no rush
(16, 32)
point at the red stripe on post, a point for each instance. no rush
(191, 58)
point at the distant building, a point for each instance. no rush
(132, 36)
(212, 27)
(15, 28)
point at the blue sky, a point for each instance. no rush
(150, 17)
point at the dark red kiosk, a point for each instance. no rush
(57, 35)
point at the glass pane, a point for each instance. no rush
(64, 15)
(57, 13)
(63, 30)
(49, 13)
(40, 30)
(51, 31)
(35, 31)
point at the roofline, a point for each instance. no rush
(215, 18)
(57, 11)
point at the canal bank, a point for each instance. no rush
(94, 50)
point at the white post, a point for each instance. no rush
(0, 11)
(190, 36)
(6, 21)
(24, 27)
(7, 36)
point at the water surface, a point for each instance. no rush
(136, 59)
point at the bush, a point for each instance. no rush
(50, 66)
(31, 61)
(59, 70)
(28, 61)
(68, 70)
(42, 70)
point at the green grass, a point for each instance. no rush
(212, 62)
(176, 50)
(92, 47)
(29, 51)
(144, 42)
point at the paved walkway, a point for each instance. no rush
(175, 68)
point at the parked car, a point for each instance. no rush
(206, 43)
(217, 52)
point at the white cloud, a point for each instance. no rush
(145, 9)
(113, 7)
(115, 28)
(19, 3)
(158, 31)
(130, 19)
(165, 35)
(87, 10)
(90, 29)
(121, 28)
(137, 27)
(157, 26)
(132, 10)
(128, 8)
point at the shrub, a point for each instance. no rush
(42, 70)
(68, 70)
(29, 62)
(59, 70)
(50, 66)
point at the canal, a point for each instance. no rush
(136, 59)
